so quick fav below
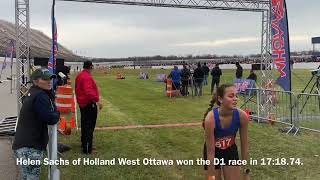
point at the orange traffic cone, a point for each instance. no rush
(67, 131)
(63, 123)
(72, 122)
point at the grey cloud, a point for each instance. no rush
(121, 31)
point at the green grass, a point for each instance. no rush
(311, 124)
(133, 101)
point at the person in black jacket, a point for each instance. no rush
(239, 71)
(198, 76)
(252, 75)
(185, 76)
(206, 71)
(37, 112)
(215, 73)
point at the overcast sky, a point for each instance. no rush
(103, 30)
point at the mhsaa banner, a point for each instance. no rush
(280, 43)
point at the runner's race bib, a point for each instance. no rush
(225, 142)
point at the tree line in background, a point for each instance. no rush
(297, 56)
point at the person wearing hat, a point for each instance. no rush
(89, 101)
(37, 112)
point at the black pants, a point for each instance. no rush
(176, 86)
(88, 123)
(198, 88)
(214, 84)
(185, 87)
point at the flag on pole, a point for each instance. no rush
(53, 172)
(280, 43)
(54, 49)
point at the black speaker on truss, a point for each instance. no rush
(60, 67)
(39, 61)
(257, 66)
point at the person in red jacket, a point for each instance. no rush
(88, 99)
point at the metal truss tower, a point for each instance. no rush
(260, 6)
(267, 79)
(22, 48)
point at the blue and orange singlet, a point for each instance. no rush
(225, 137)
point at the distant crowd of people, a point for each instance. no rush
(247, 60)
(198, 77)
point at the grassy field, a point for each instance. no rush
(140, 102)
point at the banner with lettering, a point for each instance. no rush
(242, 86)
(280, 43)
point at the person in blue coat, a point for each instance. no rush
(175, 75)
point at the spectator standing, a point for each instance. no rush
(185, 76)
(176, 78)
(89, 101)
(215, 73)
(239, 71)
(252, 75)
(198, 79)
(206, 71)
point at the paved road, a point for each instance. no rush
(8, 101)
(8, 169)
(8, 107)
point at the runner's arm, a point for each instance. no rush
(209, 132)
(244, 135)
